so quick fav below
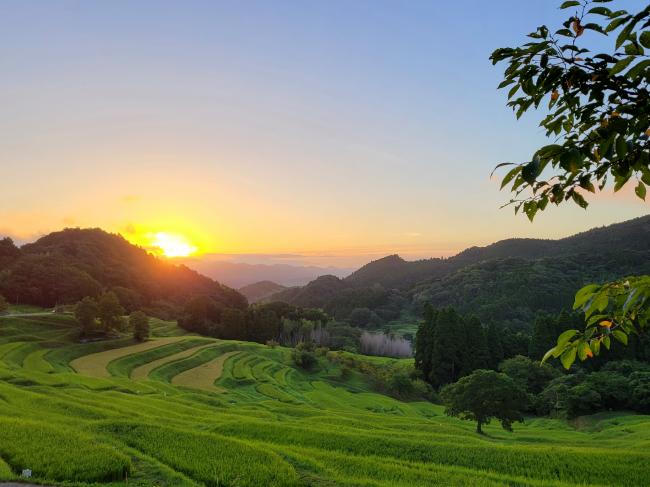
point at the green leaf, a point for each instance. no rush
(606, 342)
(614, 24)
(633, 49)
(568, 357)
(620, 65)
(620, 181)
(548, 355)
(505, 83)
(621, 146)
(595, 346)
(620, 336)
(584, 351)
(577, 197)
(511, 174)
(600, 11)
(531, 170)
(638, 69)
(583, 295)
(644, 39)
(624, 34)
(598, 303)
(564, 338)
(569, 4)
(640, 190)
(596, 318)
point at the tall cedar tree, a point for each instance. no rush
(447, 357)
(424, 341)
(476, 351)
(495, 346)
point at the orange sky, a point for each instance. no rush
(255, 130)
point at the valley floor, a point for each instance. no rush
(183, 410)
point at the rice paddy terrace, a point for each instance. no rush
(183, 410)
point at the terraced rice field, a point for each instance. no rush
(182, 410)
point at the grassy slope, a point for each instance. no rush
(272, 425)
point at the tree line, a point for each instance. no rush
(481, 373)
(104, 316)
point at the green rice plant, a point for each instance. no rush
(124, 365)
(355, 470)
(35, 361)
(16, 356)
(5, 471)
(273, 392)
(166, 372)
(56, 453)
(212, 459)
(551, 463)
(60, 358)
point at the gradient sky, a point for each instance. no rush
(330, 128)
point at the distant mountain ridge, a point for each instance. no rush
(390, 286)
(239, 274)
(259, 291)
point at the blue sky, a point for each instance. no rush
(349, 128)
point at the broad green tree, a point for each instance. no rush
(485, 395)
(139, 323)
(86, 312)
(110, 311)
(596, 111)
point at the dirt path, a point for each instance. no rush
(203, 376)
(95, 364)
(142, 372)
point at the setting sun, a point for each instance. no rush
(172, 245)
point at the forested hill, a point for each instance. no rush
(510, 280)
(65, 266)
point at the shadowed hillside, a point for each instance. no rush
(260, 290)
(65, 266)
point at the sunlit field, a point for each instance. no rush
(182, 410)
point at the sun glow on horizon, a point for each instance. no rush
(172, 245)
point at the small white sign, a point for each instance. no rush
(26, 473)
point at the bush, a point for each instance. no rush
(530, 375)
(613, 388)
(139, 323)
(321, 351)
(304, 358)
(640, 392)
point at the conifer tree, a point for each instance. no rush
(476, 350)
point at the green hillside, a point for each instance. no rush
(183, 410)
